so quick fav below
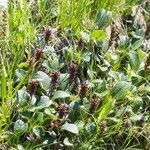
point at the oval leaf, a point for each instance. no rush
(103, 18)
(66, 142)
(120, 90)
(20, 126)
(43, 79)
(23, 97)
(44, 101)
(134, 60)
(98, 35)
(60, 94)
(70, 128)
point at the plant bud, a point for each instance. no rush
(84, 89)
(94, 104)
(47, 34)
(63, 110)
(32, 87)
(55, 79)
(73, 71)
(38, 54)
(55, 124)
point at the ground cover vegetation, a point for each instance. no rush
(74, 75)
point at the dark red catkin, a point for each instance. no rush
(55, 124)
(80, 44)
(63, 110)
(73, 71)
(84, 89)
(47, 34)
(55, 79)
(103, 126)
(32, 87)
(94, 104)
(38, 54)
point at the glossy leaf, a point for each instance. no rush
(134, 60)
(43, 79)
(20, 126)
(70, 128)
(60, 94)
(120, 89)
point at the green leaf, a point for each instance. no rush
(98, 35)
(20, 147)
(141, 54)
(43, 103)
(91, 128)
(67, 143)
(75, 111)
(33, 99)
(39, 117)
(46, 64)
(38, 131)
(60, 94)
(103, 18)
(70, 128)
(123, 41)
(120, 89)
(63, 81)
(134, 60)
(20, 126)
(23, 97)
(54, 65)
(136, 118)
(105, 110)
(85, 36)
(19, 73)
(87, 57)
(50, 112)
(137, 44)
(43, 79)
(137, 103)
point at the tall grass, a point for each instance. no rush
(76, 13)
(16, 36)
(72, 13)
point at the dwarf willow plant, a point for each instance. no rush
(71, 87)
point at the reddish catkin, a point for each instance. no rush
(94, 104)
(84, 89)
(47, 34)
(73, 71)
(55, 124)
(32, 87)
(103, 126)
(63, 110)
(38, 54)
(80, 44)
(55, 79)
